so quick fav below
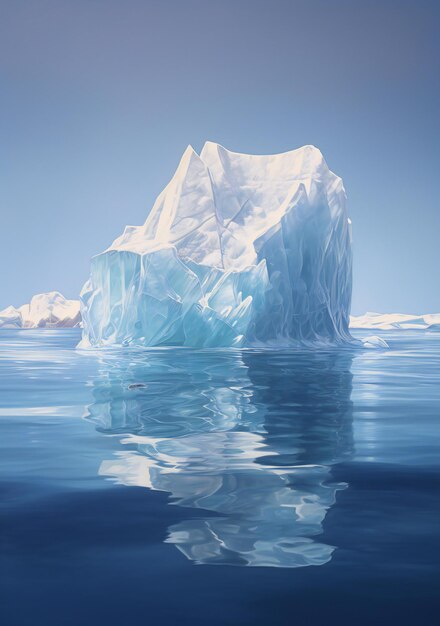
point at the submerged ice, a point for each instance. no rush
(238, 250)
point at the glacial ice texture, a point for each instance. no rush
(238, 250)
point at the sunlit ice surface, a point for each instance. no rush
(295, 461)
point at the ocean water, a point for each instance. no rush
(219, 487)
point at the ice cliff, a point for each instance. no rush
(238, 250)
(45, 310)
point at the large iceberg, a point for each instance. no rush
(238, 250)
(45, 310)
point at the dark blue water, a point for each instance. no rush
(219, 487)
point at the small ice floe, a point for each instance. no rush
(374, 342)
(137, 386)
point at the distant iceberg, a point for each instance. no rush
(45, 310)
(396, 321)
(11, 318)
(238, 250)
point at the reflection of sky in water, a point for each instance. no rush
(247, 438)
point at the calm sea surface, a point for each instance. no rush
(176, 487)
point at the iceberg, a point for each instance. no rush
(45, 310)
(238, 250)
(373, 341)
(396, 321)
(11, 318)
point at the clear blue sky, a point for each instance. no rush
(99, 98)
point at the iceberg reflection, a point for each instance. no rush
(248, 437)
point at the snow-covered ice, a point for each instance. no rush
(45, 310)
(396, 321)
(238, 250)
